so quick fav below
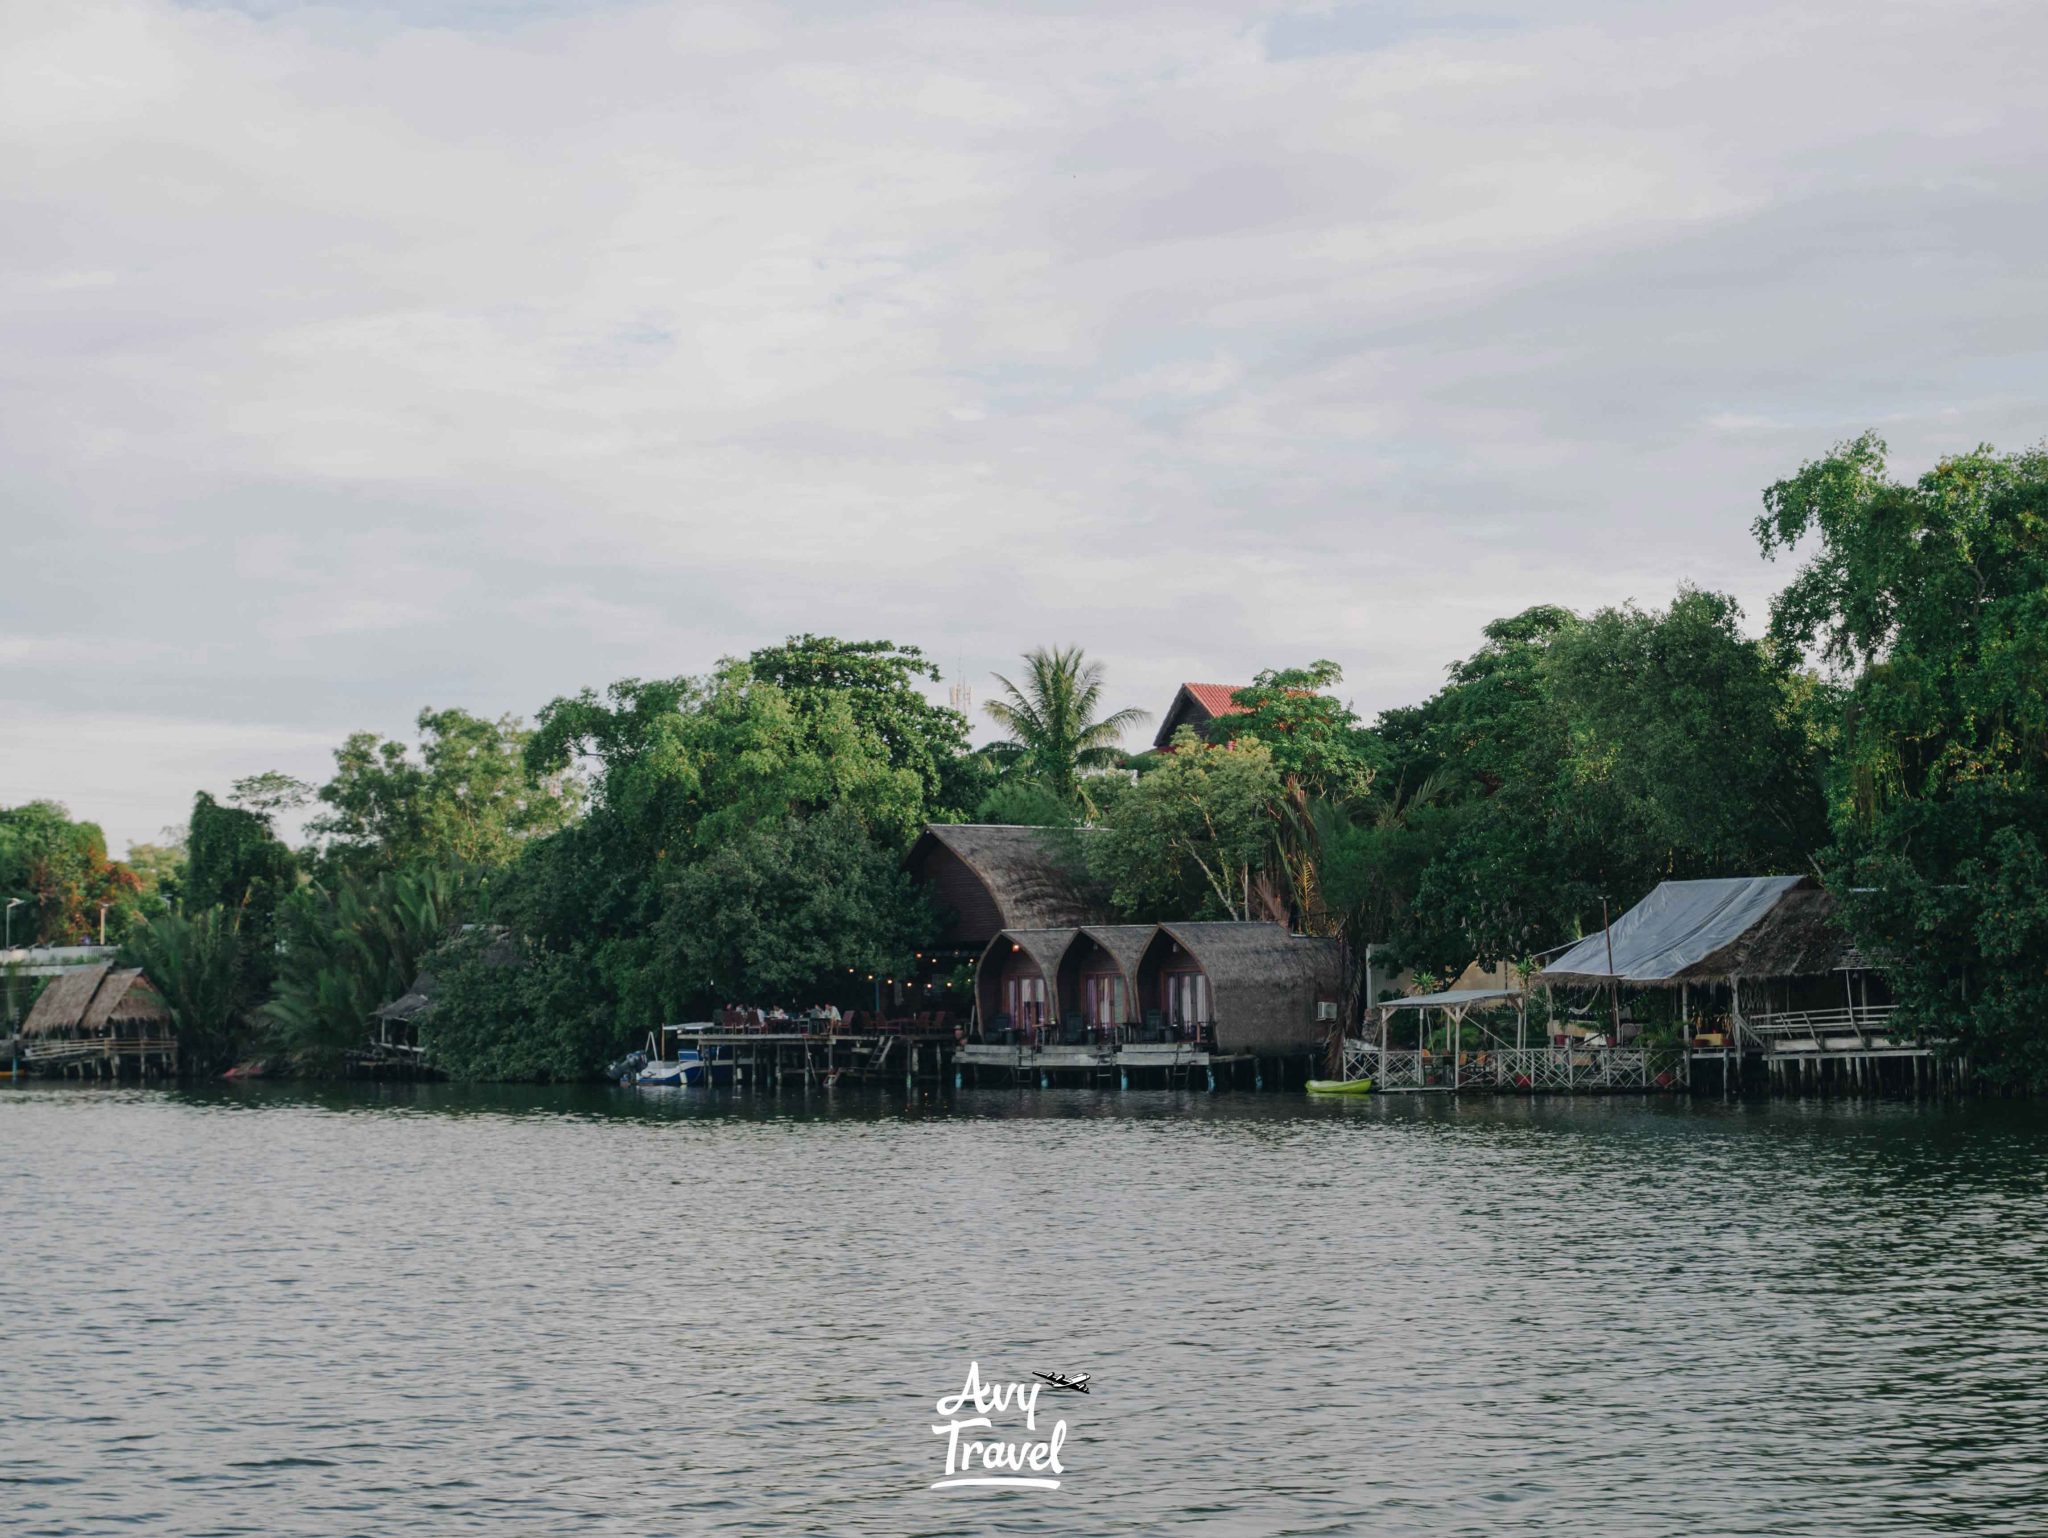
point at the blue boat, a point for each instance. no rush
(684, 1068)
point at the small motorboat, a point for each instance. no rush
(1340, 1086)
(683, 1068)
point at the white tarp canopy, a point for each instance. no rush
(1675, 927)
(1451, 1000)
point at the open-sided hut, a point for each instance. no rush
(397, 1029)
(1016, 983)
(1251, 988)
(101, 1019)
(1767, 948)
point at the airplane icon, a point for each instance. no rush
(1078, 1381)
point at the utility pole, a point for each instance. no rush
(13, 1036)
(1613, 982)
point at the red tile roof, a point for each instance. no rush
(1203, 701)
(1216, 698)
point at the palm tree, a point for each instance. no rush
(1051, 721)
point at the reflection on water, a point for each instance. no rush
(435, 1310)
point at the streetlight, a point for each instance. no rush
(103, 921)
(12, 904)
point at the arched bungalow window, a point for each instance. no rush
(1184, 996)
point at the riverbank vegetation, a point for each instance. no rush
(653, 849)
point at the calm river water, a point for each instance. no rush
(439, 1311)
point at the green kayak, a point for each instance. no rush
(1340, 1086)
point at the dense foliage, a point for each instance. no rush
(654, 850)
(58, 874)
(1931, 598)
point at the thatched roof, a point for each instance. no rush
(1709, 931)
(409, 1003)
(1032, 877)
(1126, 945)
(91, 1001)
(1264, 982)
(1044, 946)
(1798, 938)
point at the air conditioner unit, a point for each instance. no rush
(1326, 1011)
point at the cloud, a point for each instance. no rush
(361, 359)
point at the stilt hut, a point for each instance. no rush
(101, 1021)
(988, 877)
(1758, 964)
(1016, 985)
(1252, 989)
(1098, 977)
(395, 1037)
(985, 878)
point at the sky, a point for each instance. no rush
(361, 358)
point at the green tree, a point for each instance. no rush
(1716, 742)
(160, 870)
(60, 870)
(878, 683)
(470, 796)
(784, 911)
(1053, 723)
(1931, 596)
(1317, 743)
(197, 962)
(235, 863)
(346, 949)
(1326, 762)
(509, 1011)
(1190, 838)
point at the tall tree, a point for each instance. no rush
(198, 963)
(1716, 741)
(236, 863)
(59, 870)
(1052, 719)
(1190, 838)
(1931, 596)
(878, 682)
(469, 796)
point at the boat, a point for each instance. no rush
(683, 1068)
(654, 1071)
(1340, 1086)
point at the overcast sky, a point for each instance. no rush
(357, 359)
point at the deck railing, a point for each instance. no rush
(63, 1049)
(1862, 1026)
(1518, 1068)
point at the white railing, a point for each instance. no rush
(1523, 1069)
(1387, 1070)
(1821, 1029)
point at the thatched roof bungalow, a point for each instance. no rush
(989, 877)
(1245, 989)
(101, 1017)
(1265, 990)
(1098, 976)
(99, 1001)
(1017, 977)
